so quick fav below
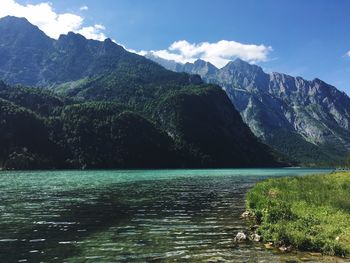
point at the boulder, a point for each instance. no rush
(255, 237)
(269, 245)
(285, 248)
(240, 237)
(247, 215)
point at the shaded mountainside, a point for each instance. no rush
(29, 57)
(309, 121)
(202, 120)
(103, 107)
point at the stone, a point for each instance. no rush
(285, 248)
(240, 237)
(269, 245)
(255, 237)
(247, 214)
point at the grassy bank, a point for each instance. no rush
(311, 213)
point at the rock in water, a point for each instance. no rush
(240, 237)
(255, 237)
(247, 214)
(285, 248)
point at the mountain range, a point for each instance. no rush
(308, 121)
(78, 103)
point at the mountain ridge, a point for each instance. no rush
(313, 112)
(104, 107)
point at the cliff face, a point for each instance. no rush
(307, 120)
(96, 105)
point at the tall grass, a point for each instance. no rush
(310, 213)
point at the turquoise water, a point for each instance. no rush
(131, 216)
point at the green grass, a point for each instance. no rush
(311, 213)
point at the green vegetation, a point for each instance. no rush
(107, 135)
(101, 106)
(305, 153)
(310, 213)
(179, 126)
(24, 139)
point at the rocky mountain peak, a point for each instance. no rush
(298, 117)
(200, 67)
(243, 66)
(14, 21)
(19, 28)
(71, 35)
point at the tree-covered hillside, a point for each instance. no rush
(54, 132)
(101, 106)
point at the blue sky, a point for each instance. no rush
(302, 38)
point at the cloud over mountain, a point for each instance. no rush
(218, 53)
(48, 20)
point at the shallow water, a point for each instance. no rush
(132, 216)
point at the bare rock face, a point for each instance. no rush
(308, 121)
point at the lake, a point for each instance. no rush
(132, 216)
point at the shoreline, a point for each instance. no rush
(306, 214)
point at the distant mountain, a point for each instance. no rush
(100, 106)
(309, 121)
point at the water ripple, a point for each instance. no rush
(117, 217)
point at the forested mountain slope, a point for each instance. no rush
(309, 121)
(104, 107)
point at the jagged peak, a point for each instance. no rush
(15, 19)
(22, 28)
(201, 62)
(283, 75)
(319, 81)
(19, 23)
(298, 78)
(71, 35)
(76, 37)
(238, 61)
(108, 40)
(240, 64)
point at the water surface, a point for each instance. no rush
(132, 216)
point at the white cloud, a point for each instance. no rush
(348, 53)
(93, 32)
(218, 53)
(53, 24)
(84, 8)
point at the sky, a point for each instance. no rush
(307, 38)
